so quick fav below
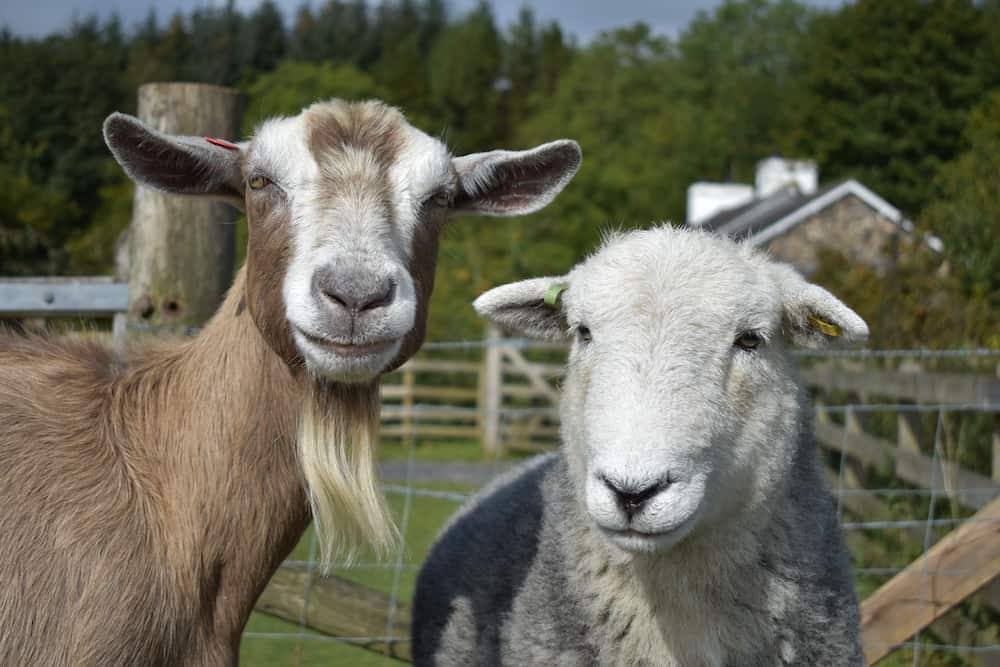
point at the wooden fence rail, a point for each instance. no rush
(340, 608)
(967, 559)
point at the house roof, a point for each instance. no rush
(763, 219)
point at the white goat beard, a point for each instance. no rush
(338, 435)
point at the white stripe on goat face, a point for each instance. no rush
(357, 179)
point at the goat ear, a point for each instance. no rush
(515, 182)
(813, 317)
(530, 307)
(176, 164)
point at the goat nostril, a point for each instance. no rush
(383, 299)
(336, 298)
(351, 293)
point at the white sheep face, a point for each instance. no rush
(680, 404)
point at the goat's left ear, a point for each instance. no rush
(530, 307)
(515, 182)
(176, 164)
(813, 317)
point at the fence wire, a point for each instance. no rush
(911, 518)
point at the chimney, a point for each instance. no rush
(774, 173)
(706, 199)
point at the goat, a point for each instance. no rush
(148, 496)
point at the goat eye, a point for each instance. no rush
(440, 198)
(258, 182)
(583, 333)
(748, 340)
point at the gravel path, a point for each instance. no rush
(473, 474)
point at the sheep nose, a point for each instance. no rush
(356, 296)
(630, 497)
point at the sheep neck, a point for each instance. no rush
(642, 601)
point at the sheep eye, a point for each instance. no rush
(258, 182)
(748, 340)
(583, 333)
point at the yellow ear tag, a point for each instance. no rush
(828, 328)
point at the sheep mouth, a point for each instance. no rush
(638, 534)
(641, 541)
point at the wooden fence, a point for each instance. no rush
(503, 396)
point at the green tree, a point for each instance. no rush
(434, 19)
(886, 90)
(402, 68)
(155, 55)
(54, 97)
(292, 86)
(213, 54)
(344, 33)
(735, 65)
(964, 210)
(522, 60)
(302, 43)
(555, 55)
(262, 39)
(465, 66)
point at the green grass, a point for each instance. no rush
(426, 516)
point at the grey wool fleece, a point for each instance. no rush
(518, 578)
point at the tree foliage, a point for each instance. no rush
(900, 95)
(886, 89)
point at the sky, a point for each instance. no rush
(583, 18)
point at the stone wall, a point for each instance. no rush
(850, 227)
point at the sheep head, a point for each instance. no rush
(681, 407)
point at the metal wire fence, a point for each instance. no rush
(945, 452)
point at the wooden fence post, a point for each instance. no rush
(409, 427)
(181, 248)
(491, 392)
(996, 447)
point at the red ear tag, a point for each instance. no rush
(222, 143)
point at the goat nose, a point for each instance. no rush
(632, 498)
(353, 297)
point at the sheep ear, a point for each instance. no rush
(530, 307)
(813, 317)
(515, 182)
(176, 164)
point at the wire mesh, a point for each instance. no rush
(907, 519)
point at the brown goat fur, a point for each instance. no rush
(159, 505)
(146, 498)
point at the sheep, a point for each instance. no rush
(685, 520)
(147, 497)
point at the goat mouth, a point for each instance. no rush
(348, 349)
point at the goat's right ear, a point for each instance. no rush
(176, 164)
(508, 183)
(530, 307)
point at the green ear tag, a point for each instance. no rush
(828, 328)
(552, 295)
